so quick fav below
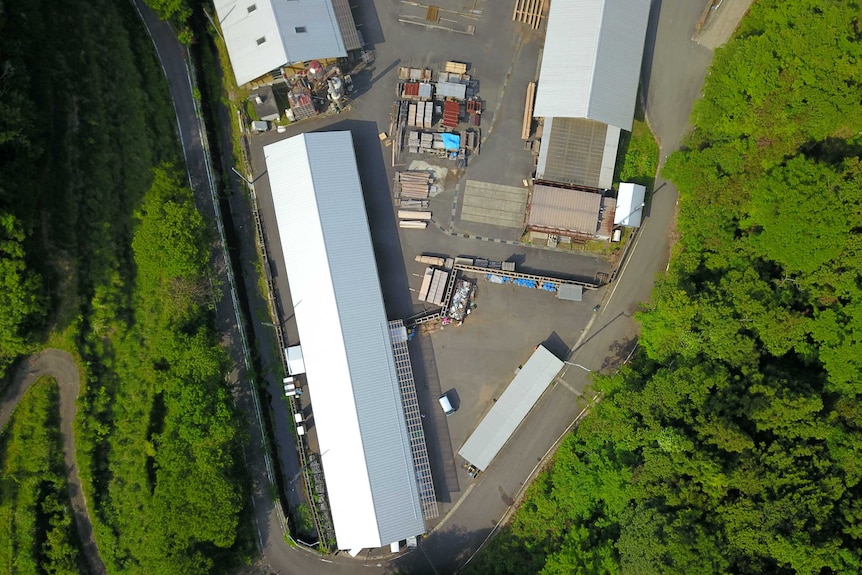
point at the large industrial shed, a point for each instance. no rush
(263, 35)
(592, 59)
(352, 377)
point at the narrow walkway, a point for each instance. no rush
(59, 365)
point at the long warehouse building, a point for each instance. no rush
(338, 304)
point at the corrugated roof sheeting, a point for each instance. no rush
(263, 35)
(570, 292)
(572, 151)
(344, 334)
(591, 60)
(609, 158)
(511, 408)
(564, 209)
(309, 30)
(451, 90)
(346, 25)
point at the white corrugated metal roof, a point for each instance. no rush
(263, 35)
(630, 205)
(592, 59)
(511, 408)
(352, 381)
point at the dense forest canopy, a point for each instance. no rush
(102, 252)
(732, 443)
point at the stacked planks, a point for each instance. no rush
(413, 185)
(529, 12)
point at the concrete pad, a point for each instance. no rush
(494, 204)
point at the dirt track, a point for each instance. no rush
(59, 365)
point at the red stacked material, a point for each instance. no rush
(411, 89)
(474, 106)
(451, 112)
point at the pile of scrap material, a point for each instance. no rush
(434, 283)
(461, 301)
(301, 104)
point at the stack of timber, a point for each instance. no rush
(404, 214)
(413, 204)
(420, 115)
(529, 12)
(416, 74)
(413, 224)
(526, 128)
(432, 261)
(434, 283)
(455, 67)
(412, 185)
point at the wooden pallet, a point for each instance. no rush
(529, 12)
(456, 67)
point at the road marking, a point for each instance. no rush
(569, 387)
(454, 508)
(622, 271)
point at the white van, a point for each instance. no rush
(446, 404)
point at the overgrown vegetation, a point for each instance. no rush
(637, 157)
(99, 235)
(36, 530)
(732, 443)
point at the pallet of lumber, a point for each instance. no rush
(430, 260)
(412, 225)
(413, 215)
(529, 12)
(455, 67)
(429, 115)
(413, 185)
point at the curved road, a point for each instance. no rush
(59, 365)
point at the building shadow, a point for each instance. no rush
(649, 50)
(438, 441)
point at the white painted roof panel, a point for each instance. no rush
(630, 204)
(341, 319)
(263, 35)
(591, 60)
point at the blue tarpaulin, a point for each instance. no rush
(451, 141)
